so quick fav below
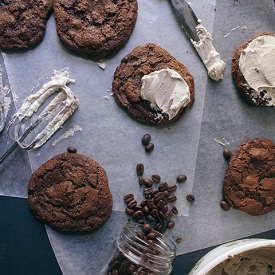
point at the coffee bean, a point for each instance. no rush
(159, 196)
(145, 210)
(146, 228)
(166, 194)
(152, 235)
(138, 214)
(155, 213)
(172, 188)
(165, 208)
(132, 204)
(140, 180)
(178, 240)
(190, 198)
(150, 205)
(175, 210)
(138, 207)
(141, 221)
(149, 148)
(140, 169)
(158, 227)
(160, 204)
(148, 182)
(146, 139)
(129, 211)
(224, 205)
(150, 218)
(154, 193)
(171, 198)
(226, 154)
(147, 191)
(171, 224)
(156, 178)
(162, 215)
(163, 186)
(127, 198)
(150, 242)
(115, 272)
(181, 178)
(71, 150)
(169, 215)
(143, 203)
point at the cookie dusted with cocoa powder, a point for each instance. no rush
(22, 23)
(70, 193)
(127, 83)
(95, 28)
(249, 183)
(253, 69)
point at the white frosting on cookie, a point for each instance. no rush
(257, 65)
(166, 90)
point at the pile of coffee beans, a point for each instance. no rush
(155, 208)
(148, 146)
(121, 265)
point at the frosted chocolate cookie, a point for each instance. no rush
(153, 86)
(70, 193)
(253, 67)
(22, 23)
(249, 183)
(95, 28)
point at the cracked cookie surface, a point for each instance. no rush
(22, 23)
(249, 183)
(96, 28)
(246, 91)
(70, 193)
(127, 83)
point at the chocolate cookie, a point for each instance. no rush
(70, 193)
(95, 28)
(22, 23)
(127, 82)
(249, 183)
(252, 96)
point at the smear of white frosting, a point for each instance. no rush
(257, 64)
(166, 90)
(64, 104)
(69, 133)
(5, 102)
(210, 57)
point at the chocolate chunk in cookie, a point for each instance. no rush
(249, 183)
(253, 69)
(22, 23)
(95, 28)
(127, 83)
(70, 193)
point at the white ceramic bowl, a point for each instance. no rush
(223, 252)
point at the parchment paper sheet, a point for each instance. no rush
(113, 139)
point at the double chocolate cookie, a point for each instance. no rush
(127, 82)
(249, 183)
(252, 69)
(70, 193)
(22, 23)
(95, 28)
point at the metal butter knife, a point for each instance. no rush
(200, 38)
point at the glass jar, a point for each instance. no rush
(140, 253)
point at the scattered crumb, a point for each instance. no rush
(106, 97)
(222, 142)
(234, 29)
(102, 64)
(67, 134)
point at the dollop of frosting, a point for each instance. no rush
(166, 91)
(257, 65)
(210, 57)
(259, 261)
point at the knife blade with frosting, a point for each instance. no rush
(200, 38)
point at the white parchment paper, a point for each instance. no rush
(188, 147)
